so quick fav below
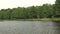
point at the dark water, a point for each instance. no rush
(29, 27)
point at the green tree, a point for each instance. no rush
(57, 5)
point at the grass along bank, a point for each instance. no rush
(36, 19)
(41, 19)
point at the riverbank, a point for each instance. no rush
(39, 19)
(43, 19)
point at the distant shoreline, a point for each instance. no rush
(37, 19)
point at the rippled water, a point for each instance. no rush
(29, 27)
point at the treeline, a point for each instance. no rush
(44, 11)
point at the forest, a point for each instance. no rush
(32, 12)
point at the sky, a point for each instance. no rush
(4, 4)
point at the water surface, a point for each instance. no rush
(29, 27)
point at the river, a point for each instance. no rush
(29, 27)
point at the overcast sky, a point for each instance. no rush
(23, 3)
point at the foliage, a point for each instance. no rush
(44, 11)
(57, 8)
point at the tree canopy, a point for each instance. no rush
(57, 8)
(44, 11)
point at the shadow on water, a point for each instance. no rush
(57, 27)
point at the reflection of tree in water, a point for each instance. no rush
(57, 27)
